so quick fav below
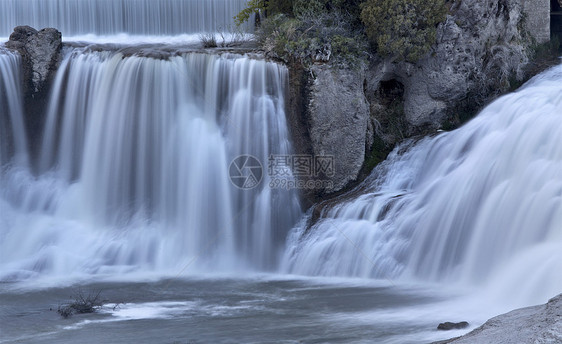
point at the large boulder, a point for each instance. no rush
(40, 51)
(480, 47)
(338, 120)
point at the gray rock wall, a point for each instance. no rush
(338, 117)
(480, 47)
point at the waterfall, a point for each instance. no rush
(134, 169)
(13, 142)
(110, 17)
(482, 204)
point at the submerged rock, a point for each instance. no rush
(537, 324)
(446, 326)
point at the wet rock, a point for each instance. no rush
(338, 119)
(446, 326)
(40, 52)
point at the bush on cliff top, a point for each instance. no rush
(266, 7)
(334, 30)
(403, 29)
(307, 39)
(311, 31)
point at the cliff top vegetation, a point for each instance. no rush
(345, 32)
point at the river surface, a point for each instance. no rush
(227, 309)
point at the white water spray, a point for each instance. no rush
(482, 204)
(134, 169)
(12, 131)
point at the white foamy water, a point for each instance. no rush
(133, 175)
(478, 206)
(12, 131)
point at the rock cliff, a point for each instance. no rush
(339, 114)
(481, 51)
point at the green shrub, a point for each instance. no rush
(275, 7)
(312, 38)
(308, 7)
(267, 7)
(252, 7)
(403, 29)
(309, 31)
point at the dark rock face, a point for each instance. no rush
(297, 119)
(339, 114)
(446, 326)
(41, 55)
(40, 51)
(328, 115)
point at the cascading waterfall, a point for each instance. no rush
(482, 204)
(134, 171)
(109, 17)
(13, 142)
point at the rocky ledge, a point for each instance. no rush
(536, 324)
(40, 51)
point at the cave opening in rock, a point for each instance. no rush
(391, 91)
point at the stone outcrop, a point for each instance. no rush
(41, 55)
(40, 51)
(481, 51)
(481, 46)
(537, 324)
(447, 326)
(338, 114)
